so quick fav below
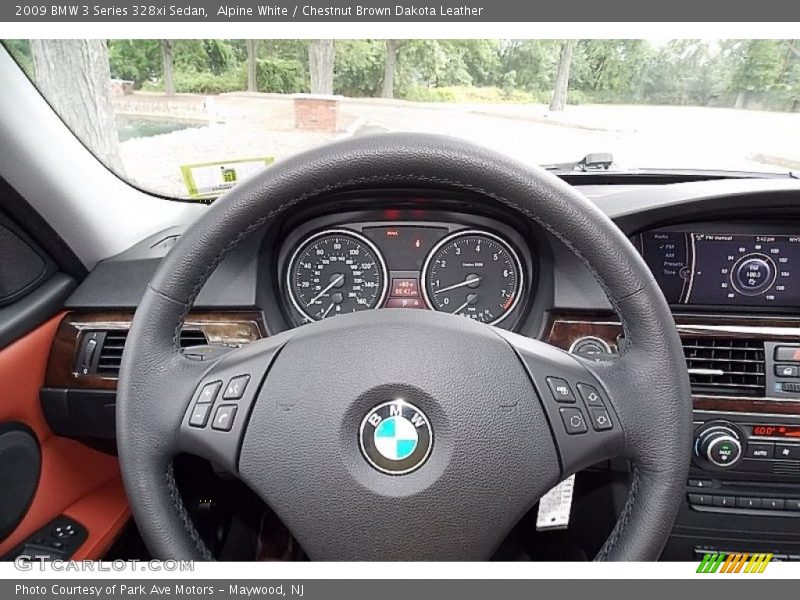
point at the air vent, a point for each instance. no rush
(731, 367)
(113, 342)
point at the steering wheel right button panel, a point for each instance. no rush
(585, 426)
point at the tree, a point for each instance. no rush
(389, 66)
(20, 51)
(358, 71)
(532, 62)
(252, 58)
(139, 61)
(562, 76)
(321, 57)
(167, 47)
(758, 67)
(75, 78)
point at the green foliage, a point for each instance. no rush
(205, 56)
(757, 64)
(359, 67)
(285, 49)
(426, 94)
(682, 72)
(611, 66)
(135, 60)
(475, 95)
(20, 51)
(280, 75)
(191, 82)
(749, 73)
(432, 63)
(533, 62)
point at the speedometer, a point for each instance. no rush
(335, 272)
(474, 274)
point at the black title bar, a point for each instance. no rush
(399, 11)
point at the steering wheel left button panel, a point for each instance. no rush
(201, 407)
(216, 418)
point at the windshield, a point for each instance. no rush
(191, 118)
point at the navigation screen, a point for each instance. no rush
(723, 268)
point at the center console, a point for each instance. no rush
(743, 492)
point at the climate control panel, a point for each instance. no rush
(755, 447)
(718, 444)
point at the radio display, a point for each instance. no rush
(780, 431)
(724, 268)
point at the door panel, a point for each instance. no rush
(75, 480)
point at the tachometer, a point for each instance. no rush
(335, 272)
(474, 274)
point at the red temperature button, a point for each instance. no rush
(405, 288)
(404, 303)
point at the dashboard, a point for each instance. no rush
(723, 252)
(725, 265)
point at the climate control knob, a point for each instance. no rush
(719, 445)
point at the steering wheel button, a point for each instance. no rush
(209, 392)
(199, 416)
(235, 388)
(574, 421)
(223, 419)
(560, 390)
(601, 421)
(590, 395)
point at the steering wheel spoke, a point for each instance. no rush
(582, 417)
(215, 420)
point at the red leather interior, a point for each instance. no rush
(76, 480)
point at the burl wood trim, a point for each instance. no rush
(234, 328)
(564, 329)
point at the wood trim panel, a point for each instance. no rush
(232, 328)
(564, 329)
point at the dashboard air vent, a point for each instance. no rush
(113, 341)
(725, 366)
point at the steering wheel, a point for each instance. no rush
(477, 421)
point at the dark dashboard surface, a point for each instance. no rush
(725, 253)
(256, 274)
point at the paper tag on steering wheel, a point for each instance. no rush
(555, 506)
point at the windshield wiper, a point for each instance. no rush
(595, 161)
(602, 165)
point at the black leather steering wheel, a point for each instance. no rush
(495, 437)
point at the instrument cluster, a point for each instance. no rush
(476, 269)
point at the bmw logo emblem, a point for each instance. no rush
(396, 437)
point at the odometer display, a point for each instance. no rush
(336, 272)
(474, 274)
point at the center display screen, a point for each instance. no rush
(724, 268)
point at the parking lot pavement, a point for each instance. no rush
(637, 136)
